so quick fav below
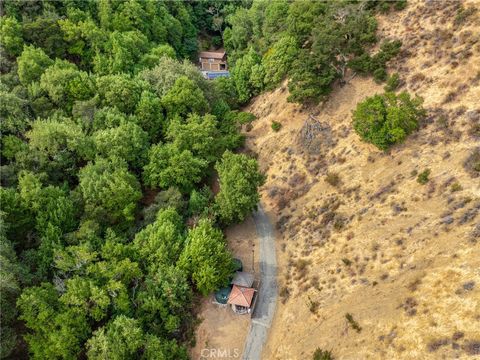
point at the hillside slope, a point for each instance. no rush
(402, 258)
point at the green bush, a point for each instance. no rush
(353, 323)
(333, 179)
(400, 4)
(385, 6)
(422, 178)
(463, 14)
(380, 75)
(456, 187)
(472, 163)
(376, 64)
(320, 354)
(387, 119)
(393, 82)
(389, 49)
(276, 126)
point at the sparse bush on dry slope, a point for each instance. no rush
(387, 119)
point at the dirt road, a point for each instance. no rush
(267, 294)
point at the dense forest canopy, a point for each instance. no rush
(311, 43)
(111, 139)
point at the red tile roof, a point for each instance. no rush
(212, 54)
(241, 296)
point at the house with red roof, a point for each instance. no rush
(243, 296)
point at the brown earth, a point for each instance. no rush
(357, 233)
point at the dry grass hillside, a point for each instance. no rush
(357, 233)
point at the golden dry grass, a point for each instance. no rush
(399, 256)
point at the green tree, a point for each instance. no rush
(376, 64)
(82, 36)
(127, 141)
(248, 75)
(198, 134)
(164, 75)
(153, 57)
(150, 117)
(160, 243)
(130, 15)
(107, 118)
(199, 201)
(237, 36)
(11, 38)
(64, 84)
(309, 81)
(163, 300)
(75, 259)
(11, 145)
(119, 91)
(32, 63)
(110, 192)
(60, 144)
(17, 216)
(274, 23)
(171, 197)
(121, 52)
(387, 119)
(56, 332)
(42, 30)
(97, 283)
(169, 166)
(54, 216)
(302, 15)
(239, 181)
(278, 60)
(83, 294)
(225, 90)
(183, 98)
(185, 32)
(14, 112)
(162, 349)
(10, 275)
(40, 102)
(206, 258)
(120, 339)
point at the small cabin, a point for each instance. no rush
(243, 295)
(213, 64)
(213, 61)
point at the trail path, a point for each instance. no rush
(267, 295)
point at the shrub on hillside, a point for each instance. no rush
(376, 64)
(387, 119)
(423, 177)
(380, 75)
(472, 163)
(320, 354)
(353, 323)
(333, 179)
(393, 82)
(276, 126)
